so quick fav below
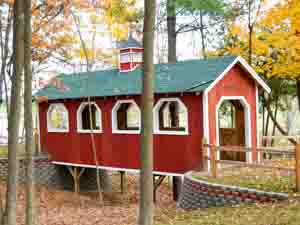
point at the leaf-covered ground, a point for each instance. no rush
(57, 207)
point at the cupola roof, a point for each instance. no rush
(129, 43)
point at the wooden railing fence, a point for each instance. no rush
(214, 161)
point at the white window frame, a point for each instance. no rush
(129, 57)
(55, 130)
(247, 118)
(233, 117)
(156, 109)
(114, 121)
(138, 55)
(79, 118)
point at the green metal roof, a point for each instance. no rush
(184, 76)
(130, 43)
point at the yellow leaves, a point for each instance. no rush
(275, 41)
(119, 13)
(235, 29)
(120, 31)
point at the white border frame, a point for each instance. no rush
(247, 118)
(247, 67)
(79, 118)
(114, 122)
(156, 108)
(116, 168)
(54, 130)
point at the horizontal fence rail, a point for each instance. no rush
(214, 161)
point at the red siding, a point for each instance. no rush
(236, 83)
(172, 153)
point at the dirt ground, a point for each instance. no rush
(58, 207)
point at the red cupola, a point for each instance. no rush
(130, 54)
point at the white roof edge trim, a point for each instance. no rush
(246, 66)
(260, 81)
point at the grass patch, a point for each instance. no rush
(4, 151)
(267, 183)
(285, 213)
(256, 178)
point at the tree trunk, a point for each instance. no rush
(250, 45)
(94, 150)
(275, 116)
(280, 129)
(101, 175)
(28, 120)
(202, 36)
(146, 152)
(5, 55)
(267, 128)
(263, 119)
(14, 115)
(171, 24)
(250, 27)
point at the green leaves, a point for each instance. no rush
(210, 6)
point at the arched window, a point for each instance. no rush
(85, 123)
(57, 118)
(126, 117)
(170, 117)
(227, 115)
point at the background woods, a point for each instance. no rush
(40, 39)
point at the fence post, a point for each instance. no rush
(298, 167)
(204, 154)
(213, 160)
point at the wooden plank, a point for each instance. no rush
(122, 177)
(280, 137)
(213, 155)
(255, 165)
(204, 154)
(248, 149)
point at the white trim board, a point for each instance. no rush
(247, 67)
(115, 168)
(247, 118)
(79, 118)
(56, 130)
(156, 109)
(114, 122)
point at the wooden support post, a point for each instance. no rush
(156, 184)
(298, 167)
(122, 176)
(204, 154)
(76, 177)
(213, 160)
(176, 187)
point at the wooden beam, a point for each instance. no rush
(156, 184)
(76, 177)
(176, 187)
(122, 180)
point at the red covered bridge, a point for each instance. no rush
(190, 98)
